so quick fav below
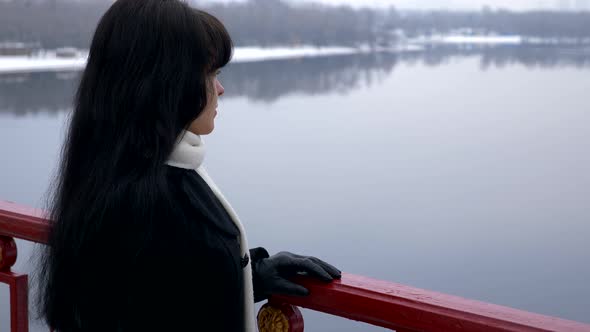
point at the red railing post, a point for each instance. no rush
(18, 286)
(19, 303)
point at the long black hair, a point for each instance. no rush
(148, 76)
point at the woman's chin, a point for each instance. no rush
(210, 130)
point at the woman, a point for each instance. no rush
(142, 238)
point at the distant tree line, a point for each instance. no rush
(51, 23)
(57, 23)
(272, 22)
(544, 24)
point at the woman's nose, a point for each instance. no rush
(219, 88)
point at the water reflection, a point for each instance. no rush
(546, 57)
(270, 80)
(28, 93)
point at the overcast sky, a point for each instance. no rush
(458, 4)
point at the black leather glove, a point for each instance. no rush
(270, 273)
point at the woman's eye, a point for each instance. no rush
(217, 73)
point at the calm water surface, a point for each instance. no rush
(457, 172)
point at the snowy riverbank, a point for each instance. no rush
(49, 62)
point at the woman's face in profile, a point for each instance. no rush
(205, 122)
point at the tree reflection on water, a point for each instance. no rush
(267, 81)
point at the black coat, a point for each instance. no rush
(200, 286)
(189, 276)
(204, 278)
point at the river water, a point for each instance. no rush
(459, 171)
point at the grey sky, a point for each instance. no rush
(459, 4)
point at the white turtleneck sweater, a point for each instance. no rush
(189, 153)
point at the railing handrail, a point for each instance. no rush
(23, 222)
(376, 302)
(404, 308)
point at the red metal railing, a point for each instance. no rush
(25, 223)
(376, 302)
(404, 308)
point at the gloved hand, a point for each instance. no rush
(270, 273)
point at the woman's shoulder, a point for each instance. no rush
(184, 185)
(185, 181)
(198, 200)
(173, 172)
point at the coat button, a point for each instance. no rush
(245, 260)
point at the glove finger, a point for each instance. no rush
(286, 287)
(290, 254)
(309, 266)
(333, 271)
